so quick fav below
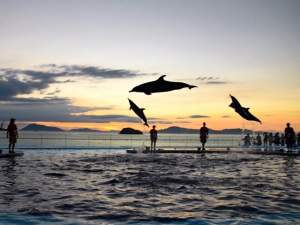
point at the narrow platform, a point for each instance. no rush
(5, 154)
(220, 150)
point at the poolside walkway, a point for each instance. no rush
(5, 154)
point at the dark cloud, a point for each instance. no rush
(216, 82)
(211, 80)
(60, 110)
(15, 82)
(107, 118)
(159, 122)
(183, 121)
(54, 92)
(47, 109)
(226, 116)
(11, 86)
(207, 78)
(92, 71)
(198, 116)
(191, 117)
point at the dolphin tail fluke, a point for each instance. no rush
(192, 86)
(146, 124)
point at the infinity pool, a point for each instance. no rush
(112, 187)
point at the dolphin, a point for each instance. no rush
(138, 111)
(160, 85)
(242, 111)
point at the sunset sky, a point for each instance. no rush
(72, 63)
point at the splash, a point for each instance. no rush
(141, 148)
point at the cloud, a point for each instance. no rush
(51, 109)
(216, 82)
(207, 78)
(159, 122)
(11, 85)
(211, 80)
(226, 116)
(198, 116)
(15, 82)
(191, 117)
(92, 71)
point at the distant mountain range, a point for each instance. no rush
(180, 130)
(37, 127)
(84, 130)
(169, 130)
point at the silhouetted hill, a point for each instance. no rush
(84, 130)
(37, 127)
(129, 130)
(181, 130)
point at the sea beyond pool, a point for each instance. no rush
(108, 186)
(88, 140)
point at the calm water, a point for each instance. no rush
(112, 187)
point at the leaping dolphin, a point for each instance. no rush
(138, 111)
(160, 85)
(243, 112)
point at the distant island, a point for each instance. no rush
(84, 130)
(37, 127)
(128, 130)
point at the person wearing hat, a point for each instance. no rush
(12, 133)
(153, 137)
(203, 135)
(289, 137)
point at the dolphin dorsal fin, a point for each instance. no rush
(161, 78)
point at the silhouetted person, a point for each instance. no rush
(295, 140)
(270, 138)
(153, 137)
(298, 139)
(276, 139)
(265, 139)
(203, 135)
(12, 133)
(246, 140)
(289, 136)
(282, 138)
(258, 139)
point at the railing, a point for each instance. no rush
(84, 141)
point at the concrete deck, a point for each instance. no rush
(5, 154)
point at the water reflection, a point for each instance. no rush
(8, 179)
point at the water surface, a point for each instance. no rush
(93, 186)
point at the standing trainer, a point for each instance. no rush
(289, 137)
(12, 133)
(153, 137)
(203, 135)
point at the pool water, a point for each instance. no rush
(112, 187)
